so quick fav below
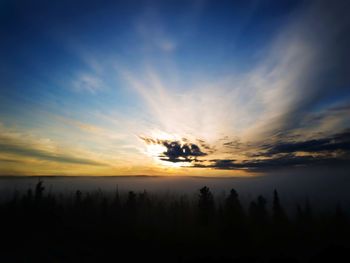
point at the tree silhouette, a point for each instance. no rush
(39, 190)
(206, 205)
(233, 206)
(233, 226)
(257, 211)
(279, 216)
(78, 196)
(116, 203)
(131, 206)
(131, 202)
(178, 228)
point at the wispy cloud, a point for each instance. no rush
(18, 144)
(151, 29)
(268, 102)
(338, 142)
(25, 151)
(88, 82)
(283, 108)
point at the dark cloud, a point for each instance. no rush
(260, 165)
(340, 108)
(332, 150)
(338, 142)
(27, 151)
(151, 140)
(2, 160)
(329, 151)
(206, 146)
(177, 151)
(234, 144)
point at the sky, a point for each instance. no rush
(199, 88)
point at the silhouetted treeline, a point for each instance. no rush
(38, 226)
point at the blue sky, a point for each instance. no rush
(172, 87)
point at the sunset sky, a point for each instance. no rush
(208, 88)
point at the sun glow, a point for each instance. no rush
(176, 165)
(156, 151)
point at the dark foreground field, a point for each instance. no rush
(38, 226)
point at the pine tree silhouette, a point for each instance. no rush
(233, 209)
(257, 210)
(279, 216)
(39, 190)
(206, 205)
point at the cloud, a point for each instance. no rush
(234, 144)
(338, 142)
(88, 82)
(154, 33)
(334, 118)
(176, 151)
(17, 144)
(22, 150)
(265, 104)
(263, 165)
(166, 45)
(329, 151)
(272, 96)
(6, 160)
(321, 58)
